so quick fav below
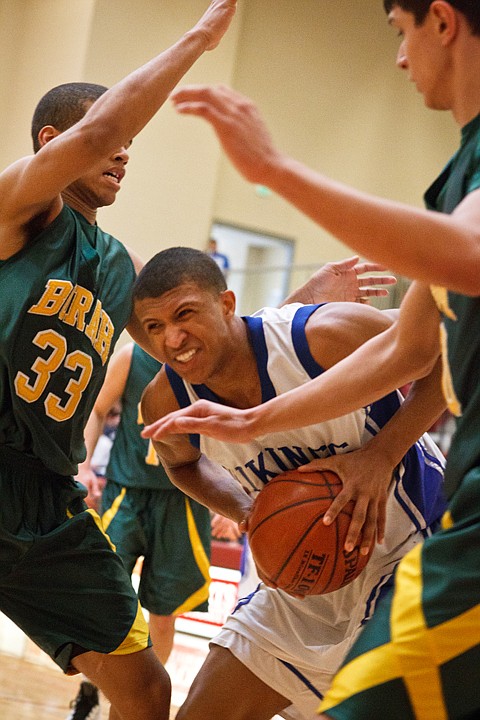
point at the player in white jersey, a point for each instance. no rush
(276, 653)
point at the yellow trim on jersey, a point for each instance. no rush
(448, 390)
(201, 558)
(137, 638)
(440, 296)
(109, 514)
(415, 652)
(447, 520)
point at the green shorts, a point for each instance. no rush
(172, 533)
(419, 656)
(60, 580)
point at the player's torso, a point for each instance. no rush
(133, 461)
(460, 318)
(65, 299)
(284, 362)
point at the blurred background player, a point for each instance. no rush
(144, 514)
(220, 258)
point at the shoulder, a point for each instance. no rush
(335, 330)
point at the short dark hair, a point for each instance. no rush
(420, 8)
(63, 106)
(177, 265)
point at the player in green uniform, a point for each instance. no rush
(143, 513)
(420, 655)
(66, 296)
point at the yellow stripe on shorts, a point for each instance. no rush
(201, 595)
(137, 638)
(415, 652)
(108, 516)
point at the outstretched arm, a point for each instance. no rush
(366, 473)
(396, 235)
(406, 351)
(30, 187)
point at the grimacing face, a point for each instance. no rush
(189, 328)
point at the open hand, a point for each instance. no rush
(205, 418)
(344, 281)
(238, 124)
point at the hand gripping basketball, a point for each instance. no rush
(289, 541)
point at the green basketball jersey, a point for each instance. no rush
(133, 461)
(461, 316)
(65, 298)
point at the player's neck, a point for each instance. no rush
(465, 73)
(89, 213)
(239, 383)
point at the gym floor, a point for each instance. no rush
(33, 688)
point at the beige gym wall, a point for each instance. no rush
(323, 72)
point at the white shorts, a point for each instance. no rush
(273, 673)
(296, 646)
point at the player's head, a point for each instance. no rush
(437, 37)
(63, 106)
(421, 8)
(183, 305)
(175, 266)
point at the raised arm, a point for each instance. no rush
(373, 227)
(32, 186)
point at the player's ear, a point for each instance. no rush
(229, 302)
(47, 133)
(446, 20)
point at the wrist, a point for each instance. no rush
(384, 453)
(198, 39)
(255, 421)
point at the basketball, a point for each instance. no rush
(289, 542)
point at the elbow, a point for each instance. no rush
(97, 139)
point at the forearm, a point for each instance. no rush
(398, 236)
(93, 430)
(210, 485)
(121, 113)
(371, 372)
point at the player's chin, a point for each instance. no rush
(109, 200)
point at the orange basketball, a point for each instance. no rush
(290, 544)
